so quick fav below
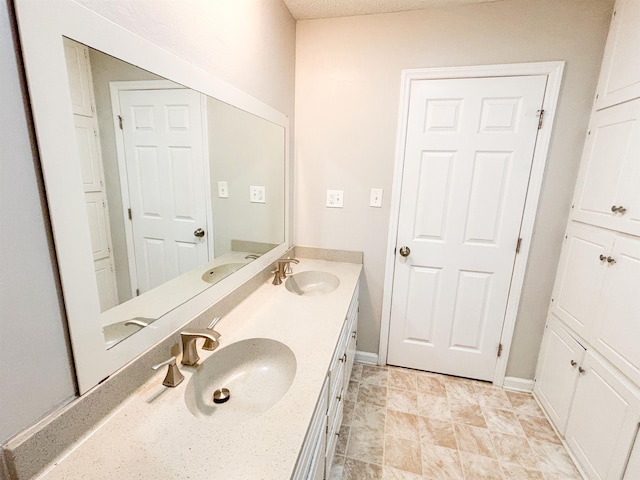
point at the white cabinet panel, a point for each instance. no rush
(620, 74)
(617, 334)
(80, 80)
(603, 421)
(580, 274)
(607, 192)
(560, 357)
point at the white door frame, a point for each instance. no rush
(115, 88)
(553, 71)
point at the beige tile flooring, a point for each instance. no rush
(402, 424)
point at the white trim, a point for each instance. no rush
(518, 384)
(554, 72)
(367, 357)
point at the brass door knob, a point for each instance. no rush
(405, 251)
(199, 233)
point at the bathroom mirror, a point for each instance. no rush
(181, 189)
(244, 161)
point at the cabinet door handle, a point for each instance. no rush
(581, 370)
(573, 363)
(602, 258)
(621, 210)
(353, 335)
(611, 260)
(343, 358)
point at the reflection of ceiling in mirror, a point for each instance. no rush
(170, 179)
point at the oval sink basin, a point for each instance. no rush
(312, 283)
(216, 274)
(257, 373)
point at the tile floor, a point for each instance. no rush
(402, 424)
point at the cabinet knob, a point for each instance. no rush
(611, 260)
(581, 370)
(602, 258)
(573, 363)
(621, 210)
(353, 335)
(343, 358)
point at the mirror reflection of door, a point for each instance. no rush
(163, 178)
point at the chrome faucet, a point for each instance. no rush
(189, 351)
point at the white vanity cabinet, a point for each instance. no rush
(620, 73)
(559, 366)
(607, 192)
(310, 465)
(603, 421)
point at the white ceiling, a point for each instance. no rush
(304, 9)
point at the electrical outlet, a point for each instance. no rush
(334, 198)
(376, 197)
(257, 195)
(223, 190)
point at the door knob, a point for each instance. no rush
(199, 233)
(405, 251)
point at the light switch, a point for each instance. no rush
(257, 195)
(334, 198)
(376, 197)
(223, 190)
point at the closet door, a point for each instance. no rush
(617, 331)
(620, 74)
(607, 192)
(603, 421)
(560, 358)
(580, 274)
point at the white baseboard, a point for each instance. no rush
(367, 357)
(518, 384)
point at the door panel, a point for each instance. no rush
(468, 156)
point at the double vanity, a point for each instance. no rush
(285, 356)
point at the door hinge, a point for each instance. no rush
(120, 121)
(540, 117)
(129, 211)
(137, 292)
(499, 350)
(518, 245)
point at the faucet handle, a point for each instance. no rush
(208, 343)
(277, 279)
(173, 378)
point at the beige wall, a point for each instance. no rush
(245, 150)
(347, 98)
(250, 44)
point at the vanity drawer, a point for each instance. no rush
(333, 435)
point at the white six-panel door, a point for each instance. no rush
(467, 161)
(163, 143)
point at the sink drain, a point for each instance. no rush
(221, 395)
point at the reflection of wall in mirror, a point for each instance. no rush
(105, 69)
(245, 151)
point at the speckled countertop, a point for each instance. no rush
(153, 434)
